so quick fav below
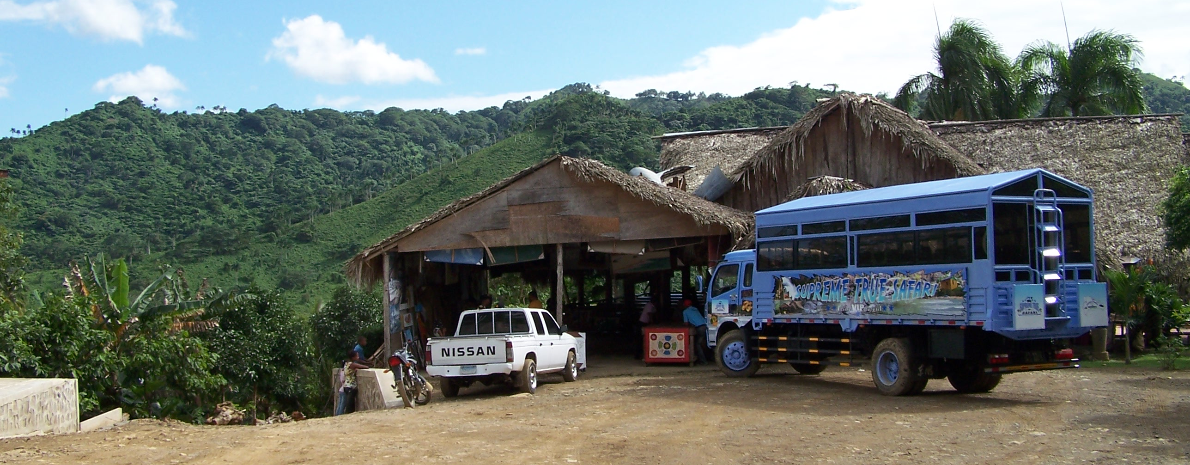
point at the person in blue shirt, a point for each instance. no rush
(693, 317)
(359, 347)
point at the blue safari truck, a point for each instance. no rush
(965, 279)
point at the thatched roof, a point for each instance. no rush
(365, 266)
(823, 185)
(871, 113)
(1127, 161)
(704, 150)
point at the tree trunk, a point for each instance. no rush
(1127, 345)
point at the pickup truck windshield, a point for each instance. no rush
(493, 322)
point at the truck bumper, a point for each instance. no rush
(467, 371)
(1033, 367)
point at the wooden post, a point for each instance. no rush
(387, 269)
(558, 288)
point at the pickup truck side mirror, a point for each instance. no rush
(565, 328)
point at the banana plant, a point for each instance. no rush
(167, 296)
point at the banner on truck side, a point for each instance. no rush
(932, 294)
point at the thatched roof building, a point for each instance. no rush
(856, 137)
(707, 151)
(824, 185)
(561, 200)
(1127, 160)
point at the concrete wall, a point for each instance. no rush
(375, 390)
(38, 406)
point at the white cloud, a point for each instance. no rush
(450, 103)
(4, 82)
(319, 50)
(104, 19)
(471, 51)
(150, 82)
(876, 45)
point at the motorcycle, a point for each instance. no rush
(410, 384)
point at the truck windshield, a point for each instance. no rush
(725, 279)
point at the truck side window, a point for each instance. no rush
(748, 275)
(483, 323)
(725, 279)
(550, 325)
(519, 323)
(501, 321)
(467, 326)
(537, 323)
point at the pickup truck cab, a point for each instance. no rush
(504, 345)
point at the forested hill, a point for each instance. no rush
(132, 181)
(1167, 96)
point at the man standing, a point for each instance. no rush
(360, 342)
(693, 317)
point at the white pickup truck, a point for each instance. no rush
(501, 345)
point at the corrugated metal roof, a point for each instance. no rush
(908, 191)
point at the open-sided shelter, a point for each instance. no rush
(563, 216)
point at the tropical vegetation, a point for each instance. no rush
(976, 81)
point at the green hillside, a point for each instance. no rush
(1167, 96)
(308, 263)
(242, 197)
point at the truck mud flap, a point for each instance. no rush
(1033, 367)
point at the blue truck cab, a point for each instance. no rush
(965, 279)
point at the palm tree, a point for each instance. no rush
(974, 79)
(1096, 76)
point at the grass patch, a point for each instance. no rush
(1148, 361)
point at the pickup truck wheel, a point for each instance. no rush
(449, 388)
(570, 373)
(528, 377)
(731, 354)
(894, 370)
(970, 379)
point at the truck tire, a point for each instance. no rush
(970, 379)
(808, 369)
(894, 368)
(570, 373)
(528, 376)
(449, 388)
(731, 354)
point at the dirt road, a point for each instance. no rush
(684, 415)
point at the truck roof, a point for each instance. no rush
(943, 187)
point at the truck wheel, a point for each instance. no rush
(894, 370)
(808, 369)
(731, 354)
(449, 388)
(970, 379)
(570, 373)
(528, 377)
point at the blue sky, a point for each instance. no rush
(59, 57)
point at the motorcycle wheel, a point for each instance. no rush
(424, 391)
(404, 390)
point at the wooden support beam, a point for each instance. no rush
(387, 269)
(558, 290)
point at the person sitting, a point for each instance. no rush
(693, 317)
(534, 301)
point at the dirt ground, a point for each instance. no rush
(622, 413)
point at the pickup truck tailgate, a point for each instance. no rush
(468, 351)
